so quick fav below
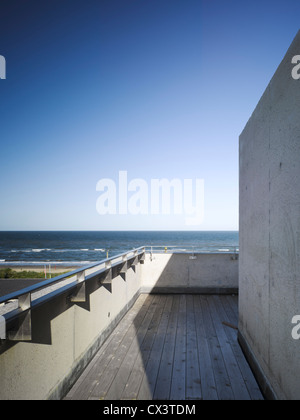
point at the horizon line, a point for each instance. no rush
(119, 230)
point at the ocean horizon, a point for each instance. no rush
(80, 247)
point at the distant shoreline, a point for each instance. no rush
(41, 268)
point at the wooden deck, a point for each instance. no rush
(171, 347)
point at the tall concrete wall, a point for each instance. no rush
(269, 265)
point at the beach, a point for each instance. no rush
(53, 269)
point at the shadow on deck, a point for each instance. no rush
(171, 347)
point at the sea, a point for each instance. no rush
(83, 247)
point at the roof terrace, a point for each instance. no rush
(142, 325)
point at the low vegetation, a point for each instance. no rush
(9, 273)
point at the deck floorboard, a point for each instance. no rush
(171, 347)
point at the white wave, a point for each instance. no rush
(69, 250)
(62, 250)
(54, 250)
(42, 263)
(224, 250)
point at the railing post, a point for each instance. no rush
(108, 275)
(124, 264)
(136, 258)
(2, 328)
(142, 257)
(23, 326)
(79, 295)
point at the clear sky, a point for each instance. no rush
(157, 88)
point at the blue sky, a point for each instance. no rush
(160, 89)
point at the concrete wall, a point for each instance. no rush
(269, 271)
(64, 338)
(65, 335)
(205, 273)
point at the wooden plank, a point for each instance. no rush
(208, 384)
(193, 380)
(234, 374)
(177, 391)
(107, 351)
(246, 372)
(164, 377)
(232, 307)
(149, 380)
(119, 383)
(107, 377)
(121, 378)
(226, 312)
(137, 374)
(220, 374)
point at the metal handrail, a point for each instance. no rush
(147, 248)
(49, 282)
(193, 248)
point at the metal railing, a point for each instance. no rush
(117, 259)
(22, 301)
(192, 249)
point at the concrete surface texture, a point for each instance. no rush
(187, 273)
(269, 265)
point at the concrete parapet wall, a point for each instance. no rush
(183, 273)
(64, 338)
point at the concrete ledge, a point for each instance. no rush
(262, 380)
(191, 290)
